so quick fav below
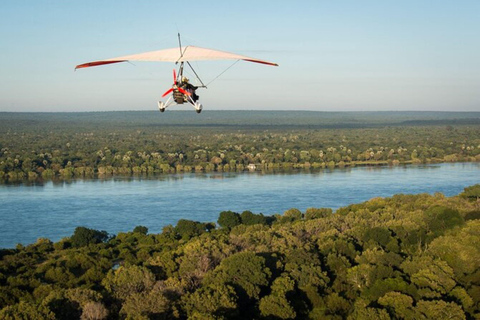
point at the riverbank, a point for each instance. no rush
(52, 146)
(53, 208)
(265, 168)
(406, 256)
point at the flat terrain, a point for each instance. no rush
(49, 145)
(239, 119)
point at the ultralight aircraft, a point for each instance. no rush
(182, 91)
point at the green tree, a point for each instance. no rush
(361, 311)
(433, 277)
(472, 192)
(128, 280)
(188, 229)
(228, 219)
(291, 215)
(85, 236)
(140, 229)
(316, 213)
(378, 235)
(440, 218)
(94, 311)
(146, 305)
(398, 304)
(246, 271)
(439, 310)
(276, 304)
(462, 297)
(337, 305)
(249, 218)
(25, 310)
(63, 307)
(216, 301)
(460, 250)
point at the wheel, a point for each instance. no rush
(161, 106)
(198, 107)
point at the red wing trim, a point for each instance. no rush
(97, 63)
(262, 62)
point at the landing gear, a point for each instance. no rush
(182, 92)
(161, 106)
(198, 107)
(164, 105)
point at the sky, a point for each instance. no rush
(332, 55)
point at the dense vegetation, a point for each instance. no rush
(404, 257)
(66, 145)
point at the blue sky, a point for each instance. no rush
(333, 55)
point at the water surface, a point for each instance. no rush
(53, 210)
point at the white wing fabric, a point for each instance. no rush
(189, 53)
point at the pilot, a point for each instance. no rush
(189, 88)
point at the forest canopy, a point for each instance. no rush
(403, 257)
(75, 145)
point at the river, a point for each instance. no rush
(53, 209)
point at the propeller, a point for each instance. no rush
(174, 86)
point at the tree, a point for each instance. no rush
(229, 219)
(440, 218)
(276, 304)
(472, 192)
(316, 213)
(433, 277)
(382, 286)
(63, 307)
(128, 280)
(337, 305)
(146, 305)
(440, 310)
(249, 218)
(245, 271)
(85, 236)
(43, 245)
(94, 311)
(462, 297)
(460, 250)
(363, 312)
(25, 310)
(214, 300)
(140, 229)
(188, 228)
(398, 304)
(292, 214)
(378, 235)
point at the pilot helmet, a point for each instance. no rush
(184, 79)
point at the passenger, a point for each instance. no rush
(190, 88)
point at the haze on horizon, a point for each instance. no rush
(333, 56)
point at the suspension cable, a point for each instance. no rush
(222, 73)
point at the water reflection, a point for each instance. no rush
(61, 181)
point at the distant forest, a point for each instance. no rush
(403, 257)
(74, 145)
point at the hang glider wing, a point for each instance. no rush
(189, 53)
